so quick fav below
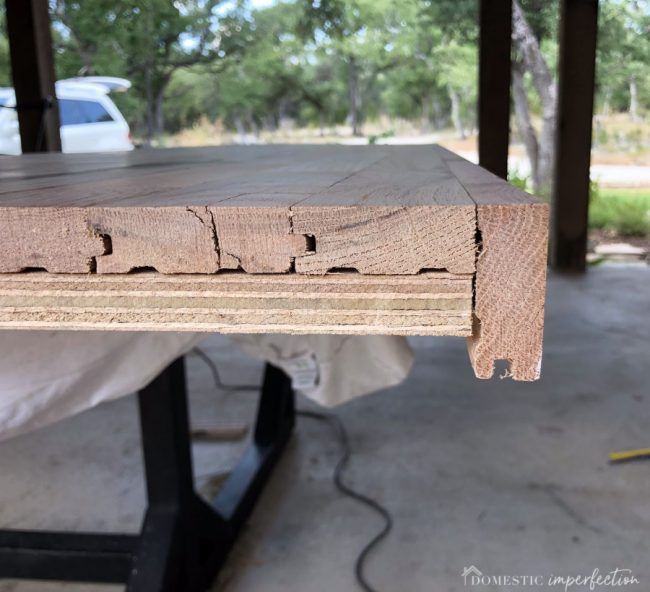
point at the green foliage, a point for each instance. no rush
(623, 53)
(518, 179)
(5, 79)
(543, 17)
(5, 72)
(625, 211)
(143, 40)
(188, 98)
(318, 62)
(372, 139)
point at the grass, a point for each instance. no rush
(626, 211)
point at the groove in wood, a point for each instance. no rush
(377, 210)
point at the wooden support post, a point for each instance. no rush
(32, 66)
(578, 33)
(495, 20)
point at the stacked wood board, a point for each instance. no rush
(316, 239)
(431, 303)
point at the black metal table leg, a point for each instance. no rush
(184, 540)
(72, 557)
(275, 421)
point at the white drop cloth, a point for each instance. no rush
(46, 376)
(332, 369)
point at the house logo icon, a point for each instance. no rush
(472, 570)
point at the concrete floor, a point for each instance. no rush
(510, 477)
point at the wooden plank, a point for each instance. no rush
(302, 212)
(196, 239)
(378, 210)
(32, 66)
(510, 279)
(495, 27)
(57, 239)
(431, 303)
(404, 213)
(577, 71)
(35, 166)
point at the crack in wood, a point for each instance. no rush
(213, 230)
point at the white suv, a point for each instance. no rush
(90, 121)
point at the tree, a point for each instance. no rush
(451, 28)
(275, 77)
(161, 37)
(146, 40)
(87, 37)
(260, 86)
(458, 74)
(623, 56)
(361, 34)
(530, 59)
(323, 91)
(5, 74)
(322, 62)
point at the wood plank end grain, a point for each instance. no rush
(509, 290)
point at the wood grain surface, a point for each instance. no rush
(266, 209)
(302, 212)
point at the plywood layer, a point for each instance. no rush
(432, 303)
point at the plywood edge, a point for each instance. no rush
(510, 287)
(428, 304)
(229, 328)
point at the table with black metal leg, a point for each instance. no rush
(184, 540)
